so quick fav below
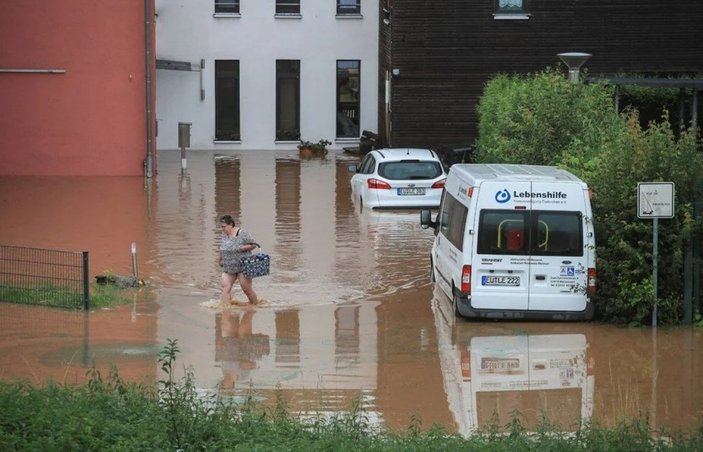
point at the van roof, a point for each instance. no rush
(506, 172)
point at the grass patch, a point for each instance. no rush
(110, 414)
(51, 295)
(107, 295)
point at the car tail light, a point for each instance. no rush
(439, 183)
(466, 279)
(378, 184)
(591, 287)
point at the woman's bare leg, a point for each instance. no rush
(227, 283)
(248, 288)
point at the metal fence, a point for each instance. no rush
(44, 277)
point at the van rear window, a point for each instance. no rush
(545, 233)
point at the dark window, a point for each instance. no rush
(453, 220)
(542, 233)
(227, 100)
(510, 6)
(348, 98)
(348, 6)
(558, 233)
(287, 6)
(227, 6)
(287, 100)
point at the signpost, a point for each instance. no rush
(655, 200)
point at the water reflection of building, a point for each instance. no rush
(490, 378)
(288, 214)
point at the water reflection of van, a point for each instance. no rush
(514, 241)
(490, 378)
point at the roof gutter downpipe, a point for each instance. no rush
(149, 110)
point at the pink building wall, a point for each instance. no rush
(90, 120)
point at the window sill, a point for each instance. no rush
(286, 141)
(227, 15)
(511, 16)
(227, 141)
(349, 16)
(344, 140)
(288, 16)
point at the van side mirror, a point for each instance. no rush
(426, 219)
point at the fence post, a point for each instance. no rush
(86, 286)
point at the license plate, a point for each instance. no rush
(498, 364)
(488, 280)
(411, 191)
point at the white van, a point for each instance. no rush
(514, 241)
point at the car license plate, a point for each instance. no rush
(411, 191)
(500, 364)
(488, 280)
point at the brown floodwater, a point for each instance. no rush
(350, 317)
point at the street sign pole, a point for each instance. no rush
(655, 266)
(655, 200)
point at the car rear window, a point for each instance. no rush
(410, 170)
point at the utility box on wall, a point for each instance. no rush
(184, 134)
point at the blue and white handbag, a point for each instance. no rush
(257, 264)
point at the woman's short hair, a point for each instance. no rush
(227, 219)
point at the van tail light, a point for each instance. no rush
(591, 281)
(375, 184)
(466, 279)
(439, 183)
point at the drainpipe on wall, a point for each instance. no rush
(147, 67)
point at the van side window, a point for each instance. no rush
(453, 220)
(558, 233)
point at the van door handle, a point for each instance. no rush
(540, 277)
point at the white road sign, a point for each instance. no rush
(655, 200)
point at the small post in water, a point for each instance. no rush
(135, 273)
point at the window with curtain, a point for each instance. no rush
(510, 6)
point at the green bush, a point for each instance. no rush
(544, 119)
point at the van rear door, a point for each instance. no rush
(501, 268)
(559, 255)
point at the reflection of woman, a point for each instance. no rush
(237, 348)
(236, 244)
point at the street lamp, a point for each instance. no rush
(574, 61)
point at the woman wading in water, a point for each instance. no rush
(236, 244)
